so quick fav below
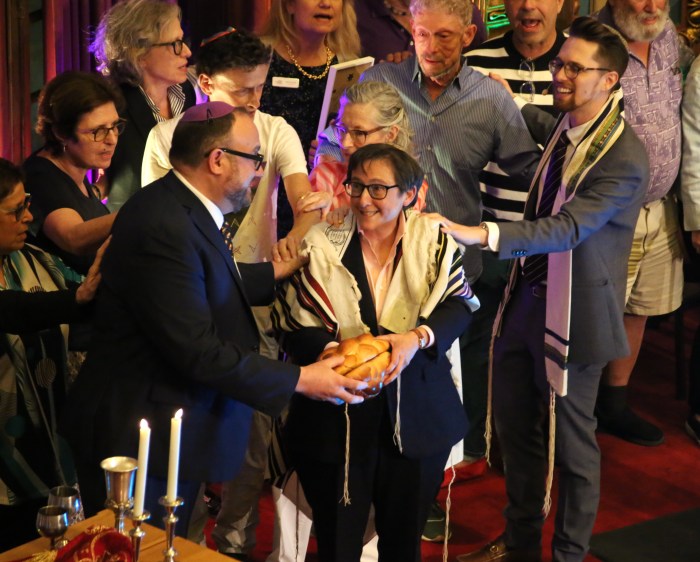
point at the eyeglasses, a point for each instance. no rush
(571, 69)
(18, 212)
(358, 136)
(259, 158)
(526, 72)
(176, 45)
(376, 190)
(100, 133)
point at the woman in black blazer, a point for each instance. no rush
(390, 272)
(140, 45)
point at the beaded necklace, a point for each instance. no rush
(329, 58)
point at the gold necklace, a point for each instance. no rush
(329, 59)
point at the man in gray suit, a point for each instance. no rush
(561, 318)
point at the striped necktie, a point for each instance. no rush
(535, 267)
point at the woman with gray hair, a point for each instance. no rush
(370, 113)
(139, 44)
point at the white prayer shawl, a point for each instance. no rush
(325, 294)
(605, 128)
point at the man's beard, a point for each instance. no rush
(631, 25)
(240, 199)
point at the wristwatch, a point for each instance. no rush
(422, 339)
(485, 227)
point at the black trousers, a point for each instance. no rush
(401, 490)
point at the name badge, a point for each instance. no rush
(284, 82)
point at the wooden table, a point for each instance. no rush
(152, 545)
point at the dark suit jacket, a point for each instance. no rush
(432, 415)
(598, 224)
(174, 330)
(124, 173)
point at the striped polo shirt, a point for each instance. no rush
(502, 198)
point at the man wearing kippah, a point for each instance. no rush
(232, 67)
(174, 328)
(561, 318)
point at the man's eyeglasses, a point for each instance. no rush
(358, 136)
(375, 190)
(176, 45)
(258, 158)
(100, 133)
(18, 212)
(571, 69)
(526, 72)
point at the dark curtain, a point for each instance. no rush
(68, 27)
(203, 18)
(15, 123)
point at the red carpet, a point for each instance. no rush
(638, 483)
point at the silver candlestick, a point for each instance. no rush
(170, 520)
(137, 533)
(119, 479)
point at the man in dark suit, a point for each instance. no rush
(174, 327)
(561, 317)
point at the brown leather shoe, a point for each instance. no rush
(497, 551)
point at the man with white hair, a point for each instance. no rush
(652, 86)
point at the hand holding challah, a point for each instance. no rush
(366, 358)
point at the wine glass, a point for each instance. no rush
(52, 523)
(68, 497)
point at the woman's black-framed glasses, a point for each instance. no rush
(176, 45)
(18, 212)
(375, 190)
(100, 133)
(258, 158)
(571, 69)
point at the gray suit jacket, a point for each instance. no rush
(598, 225)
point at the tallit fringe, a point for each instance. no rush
(448, 505)
(297, 523)
(550, 454)
(346, 489)
(397, 423)
(488, 431)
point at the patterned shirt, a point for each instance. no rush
(473, 121)
(652, 96)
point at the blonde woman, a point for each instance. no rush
(307, 37)
(140, 45)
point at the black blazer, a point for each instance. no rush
(432, 415)
(174, 330)
(124, 173)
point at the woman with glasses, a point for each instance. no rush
(140, 45)
(386, 271)
(35, 304)
(78, 118)
(370, 112)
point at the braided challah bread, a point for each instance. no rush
(366, 358)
